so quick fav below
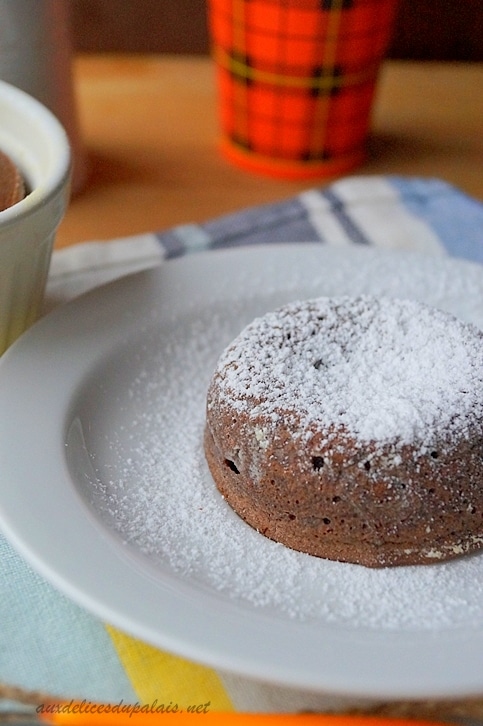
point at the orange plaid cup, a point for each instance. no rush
(296, 81)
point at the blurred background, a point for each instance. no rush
(440, 30)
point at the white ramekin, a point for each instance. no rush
(36, 142)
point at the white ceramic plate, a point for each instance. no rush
(105, 491)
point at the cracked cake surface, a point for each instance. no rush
(352, 429)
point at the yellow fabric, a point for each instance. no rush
(165, 678)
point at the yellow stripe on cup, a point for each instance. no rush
(326, 82)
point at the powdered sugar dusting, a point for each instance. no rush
(153, 489)
(384, 369)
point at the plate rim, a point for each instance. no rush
(385, 647)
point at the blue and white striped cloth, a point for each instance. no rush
(427, 215)
(48, 643)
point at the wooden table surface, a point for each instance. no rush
(149, 128)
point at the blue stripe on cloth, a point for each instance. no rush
(271, 223)
(456, 218)
(48, 642)
(264, 224)
(338, 209)
(172, 245)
